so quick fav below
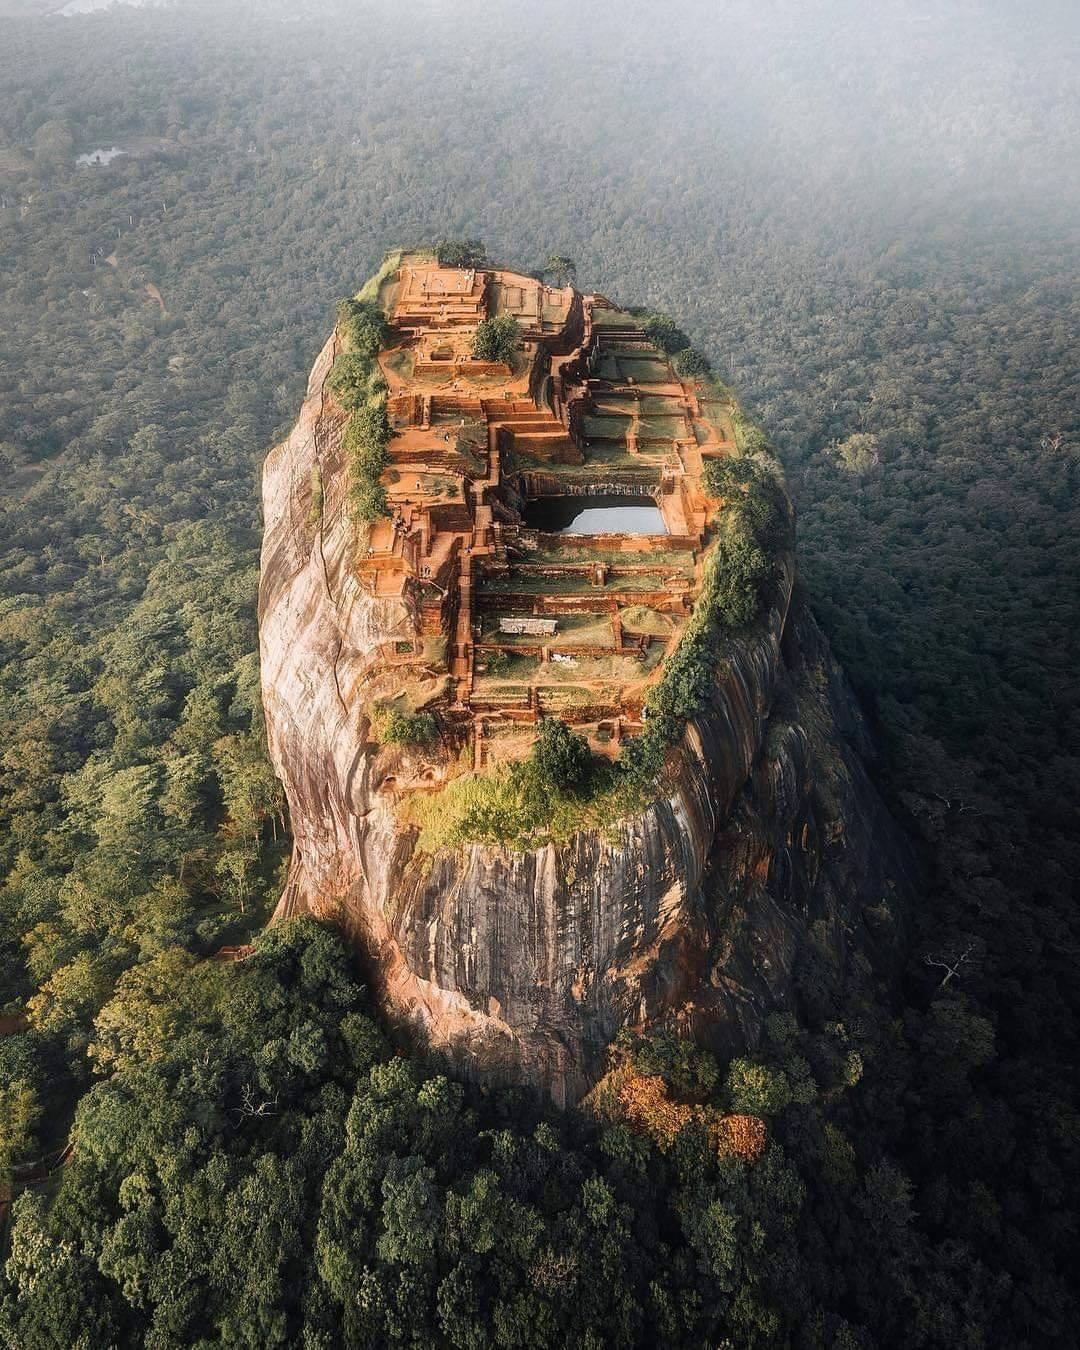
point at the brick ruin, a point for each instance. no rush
(514, 621)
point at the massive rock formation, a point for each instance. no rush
(521, 966)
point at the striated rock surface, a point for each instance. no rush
(521, 966)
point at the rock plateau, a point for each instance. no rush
(766, 843)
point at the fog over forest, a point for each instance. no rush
(866, 217)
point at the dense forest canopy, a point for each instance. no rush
(866, 218)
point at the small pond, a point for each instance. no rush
(600, 514)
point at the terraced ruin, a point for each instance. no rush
(547, 520)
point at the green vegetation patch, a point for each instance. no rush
(560, 789)
(663, 330)
(461, 252)
(644, 369)
(650, 405)
(661, 428)
(358, 385)
(749, 437)
(568, 583)
(516, 666)
(401, 361)
(607, 367)
(608, 316)
(437, 487)
(580, 554)
(555, 315)
(370, 291)
(641, 619)
(496, 339)
(669, 337)
(623, 669)
(606, 427)
(644, 467)
(394, 727)
(690, 364)
(736, 570)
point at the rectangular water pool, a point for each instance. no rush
(601, 514)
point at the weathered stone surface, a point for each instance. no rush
(521, 966)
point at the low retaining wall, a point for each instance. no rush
(519, 602)
(463, 367)
(536, 483)
(620, 543)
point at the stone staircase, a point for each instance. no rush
(523, 427)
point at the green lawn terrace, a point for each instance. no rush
(630, 397)
(607, 317)
(408, 485)
(713, 425)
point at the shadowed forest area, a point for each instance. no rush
(867, 220)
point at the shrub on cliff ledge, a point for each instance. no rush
(735, 581)
(749, 489)
(664, 332)
(546, 798)
(749, 437)
(394, 727)
(365, 439)
(367, 436)
(353, 380)
(727, 477)
(363, 325)
(560, 757)
(356, 382)
(690, 364)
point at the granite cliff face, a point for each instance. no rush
(521, 966)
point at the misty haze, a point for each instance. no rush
(540, 744)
